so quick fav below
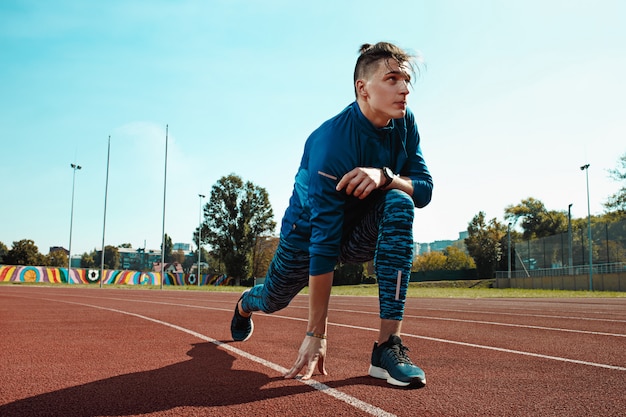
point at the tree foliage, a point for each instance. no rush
(87, 260)
(484, 244)
(430, 261)
(451, 259)
(536, 220)
(456, 259)
(168, 256)
(111, 257)
(262, 255)
(3, 251)
(235, 217)
(349, 274)
(24, 252)
(617, 201)
(56, 258)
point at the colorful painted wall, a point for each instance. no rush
(43, 274)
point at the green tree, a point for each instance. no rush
(348, 274)
(235, 217)
(484, 244)
(87, 260)
(617, 201)
(537, 221)
(111, 257)
(456, 259)
(191, 261)
(3, 251)
(24, 252)
(56, 258)
(168, 249)
(262, 255)
(178, 256)
(430, 261)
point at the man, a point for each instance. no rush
(361, 176)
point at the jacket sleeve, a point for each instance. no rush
(415, 167)
(327, 164)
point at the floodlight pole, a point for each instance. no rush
(163, 225)
(69, 255)
(104, 222)
(199, 237)
(586, 169)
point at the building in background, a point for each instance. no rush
(441, 245)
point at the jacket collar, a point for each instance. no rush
(368, 127)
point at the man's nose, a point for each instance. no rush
(405, 88)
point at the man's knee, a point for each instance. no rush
(399, 200)
(399, 208)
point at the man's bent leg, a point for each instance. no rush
(394, 254)
(393, 261)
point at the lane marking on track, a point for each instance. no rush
(517, 352)
(494, 323)
(545, 316)
(490, 313)
(323, 388)
(433, 339)
(525, 326)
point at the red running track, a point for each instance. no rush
(85, 351)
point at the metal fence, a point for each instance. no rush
(612, 268)
(565, 254)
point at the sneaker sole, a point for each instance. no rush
(382, 373)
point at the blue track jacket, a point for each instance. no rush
(318, 215)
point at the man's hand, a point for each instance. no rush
(312, 352)
(360, 182)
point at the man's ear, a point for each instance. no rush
(360, 88)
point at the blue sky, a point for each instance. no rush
(515, 97)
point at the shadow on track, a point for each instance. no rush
(206, 380)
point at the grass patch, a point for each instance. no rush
(431, 289)
(471, 289)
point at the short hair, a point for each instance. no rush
(371, 54)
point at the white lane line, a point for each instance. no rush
(503, 313)
(516, 352)
(433, 339)
(323, 388)
(525, 326)
(493, 323)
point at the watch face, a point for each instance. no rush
(388, 173)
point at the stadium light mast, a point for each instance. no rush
(163, 225)
(199, 237)
(69, 255)
(586, 169)
(104, 222)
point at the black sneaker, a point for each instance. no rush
(241, 328)
(391, 362)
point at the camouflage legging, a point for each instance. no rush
(384, 234)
